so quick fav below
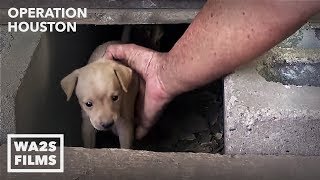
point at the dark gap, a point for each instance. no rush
(192, 122)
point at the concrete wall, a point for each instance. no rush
(32, 67)
(281, 115)
(15, 59)
(118, 164)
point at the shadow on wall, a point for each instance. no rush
(41, 105)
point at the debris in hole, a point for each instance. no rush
(188, 137)
(186, 125)
(218, 136)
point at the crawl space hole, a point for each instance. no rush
(192, 122)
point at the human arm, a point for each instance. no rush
(223, 36)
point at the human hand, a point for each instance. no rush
(153, 95)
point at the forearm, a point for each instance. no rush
(226, 34)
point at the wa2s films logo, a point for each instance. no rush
(35, 153)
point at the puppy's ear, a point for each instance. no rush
(124, 74)
(69, 82)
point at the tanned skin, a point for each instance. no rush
(224, 35)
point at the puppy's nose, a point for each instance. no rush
(107, 125)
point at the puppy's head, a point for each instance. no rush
(100, 87)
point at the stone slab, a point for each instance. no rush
(83, 163)
(266, 117)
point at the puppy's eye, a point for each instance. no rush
(114, 98)
(89, 104)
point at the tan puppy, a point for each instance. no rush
(106, 91)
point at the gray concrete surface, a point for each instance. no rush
(266, 117)
(128, 164)
(122, 16)
(308, 36)
(112, 4)
(268, 107)
(16, 53)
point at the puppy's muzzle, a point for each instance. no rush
(107, 125)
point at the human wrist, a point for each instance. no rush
(168, 76)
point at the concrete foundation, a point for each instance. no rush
(83, 163)
(270, 118)
(16, 56)
(272, 106)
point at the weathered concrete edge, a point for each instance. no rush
(130, 16)
(83, 163)
(121, 16)
(15, 59)
(127, 4)
(241, 127)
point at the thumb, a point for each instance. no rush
(149, 113)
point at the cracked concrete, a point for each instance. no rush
(266, 117)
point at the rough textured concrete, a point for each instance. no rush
(269, 109)
(111, 4)
(16, 53)
(127, 164)
(308, 36)
(123, 16)
(291, 66)
(264, 117)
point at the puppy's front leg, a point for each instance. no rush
(125, 132)
(88, 133)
